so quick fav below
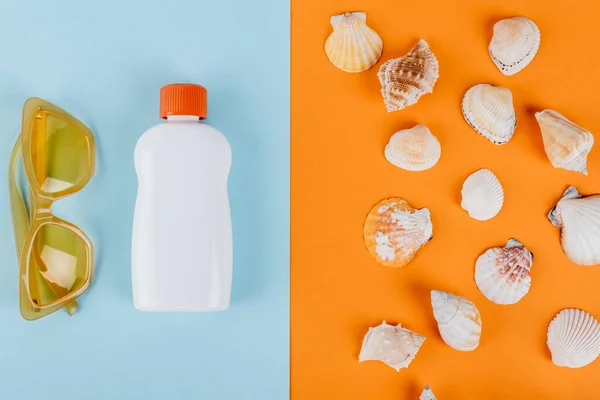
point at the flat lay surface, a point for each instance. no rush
(340, 128)
(104, 62)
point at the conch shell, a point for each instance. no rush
(503, 274)
(578, 219)
(353, 46)
(458, 320)
(567, 144)
(394, 231)
(415, 149)
(489, 110)
(482, 195)
(573, 338)
(427, 394)
(392, 345)
(404, 80)
(514, 44)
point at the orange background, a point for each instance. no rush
(339, 130)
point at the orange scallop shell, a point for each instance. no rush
(394, 231)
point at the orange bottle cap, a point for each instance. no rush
(183, 99)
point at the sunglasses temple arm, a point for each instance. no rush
(20, 217)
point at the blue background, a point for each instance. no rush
(104, 62)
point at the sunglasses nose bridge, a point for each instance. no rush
(41, 209)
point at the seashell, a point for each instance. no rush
(489, 110)
(503, 274)
(578, 219)
(353, 46)
(458, 320)
(392, 345)
(427, 394)
(567, 145)
(404, 80)
(482, 195)
(573, 338)
(415, 149)
(394, 231)
(514, 44)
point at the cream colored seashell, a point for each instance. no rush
(567, 145)
(482, 195)
(458, 320)
(578, 219)
(503, 274)
(353, 46)
(573, 338)
(404, 80)
(427, 394)
(489, 110)
(392, 345)
(514, 44)
(415, 149)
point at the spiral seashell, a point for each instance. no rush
(458, 320)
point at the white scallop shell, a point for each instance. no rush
(482, 195)
(458, 320)
(427, 394)
(414, 149)
(489, 110)
(514, 44)
(567, 144)
(578, 219)
(392, 345)
(503, 274)
(573, 338)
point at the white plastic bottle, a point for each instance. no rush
(182, 245)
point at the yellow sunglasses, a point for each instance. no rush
(56, 258)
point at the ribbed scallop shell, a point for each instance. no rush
(489, 110)
(415, 149)
(573, 338)
(427, 394)
(482, 195)
(514, 44)
(578, 219)
(404, 80)
(567, 145)
(392, 345)
(353, 46)
(458, 320)
(503, 274)
(394, 231)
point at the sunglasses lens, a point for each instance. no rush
(57, 265)
(60, 153)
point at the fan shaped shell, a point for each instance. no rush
(578, 219)
(392, 345)
(566, 144)
(503, 274)
(394, 231)
(404, 80)
(489, 110)
(415, 149)
(482, 195)
(458, 320)
(353, 46)
(514, 44)
(573, 338)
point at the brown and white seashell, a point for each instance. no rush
(392, 345)
(353, 46)
(514, 44)
(567, 145)
(427, 394)
(394, 232)
(482, 195)
(489, 110)
(573, 338)
(404, 80)
(503, 274)
(458, 320)
(415, 149)
(578, 219)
